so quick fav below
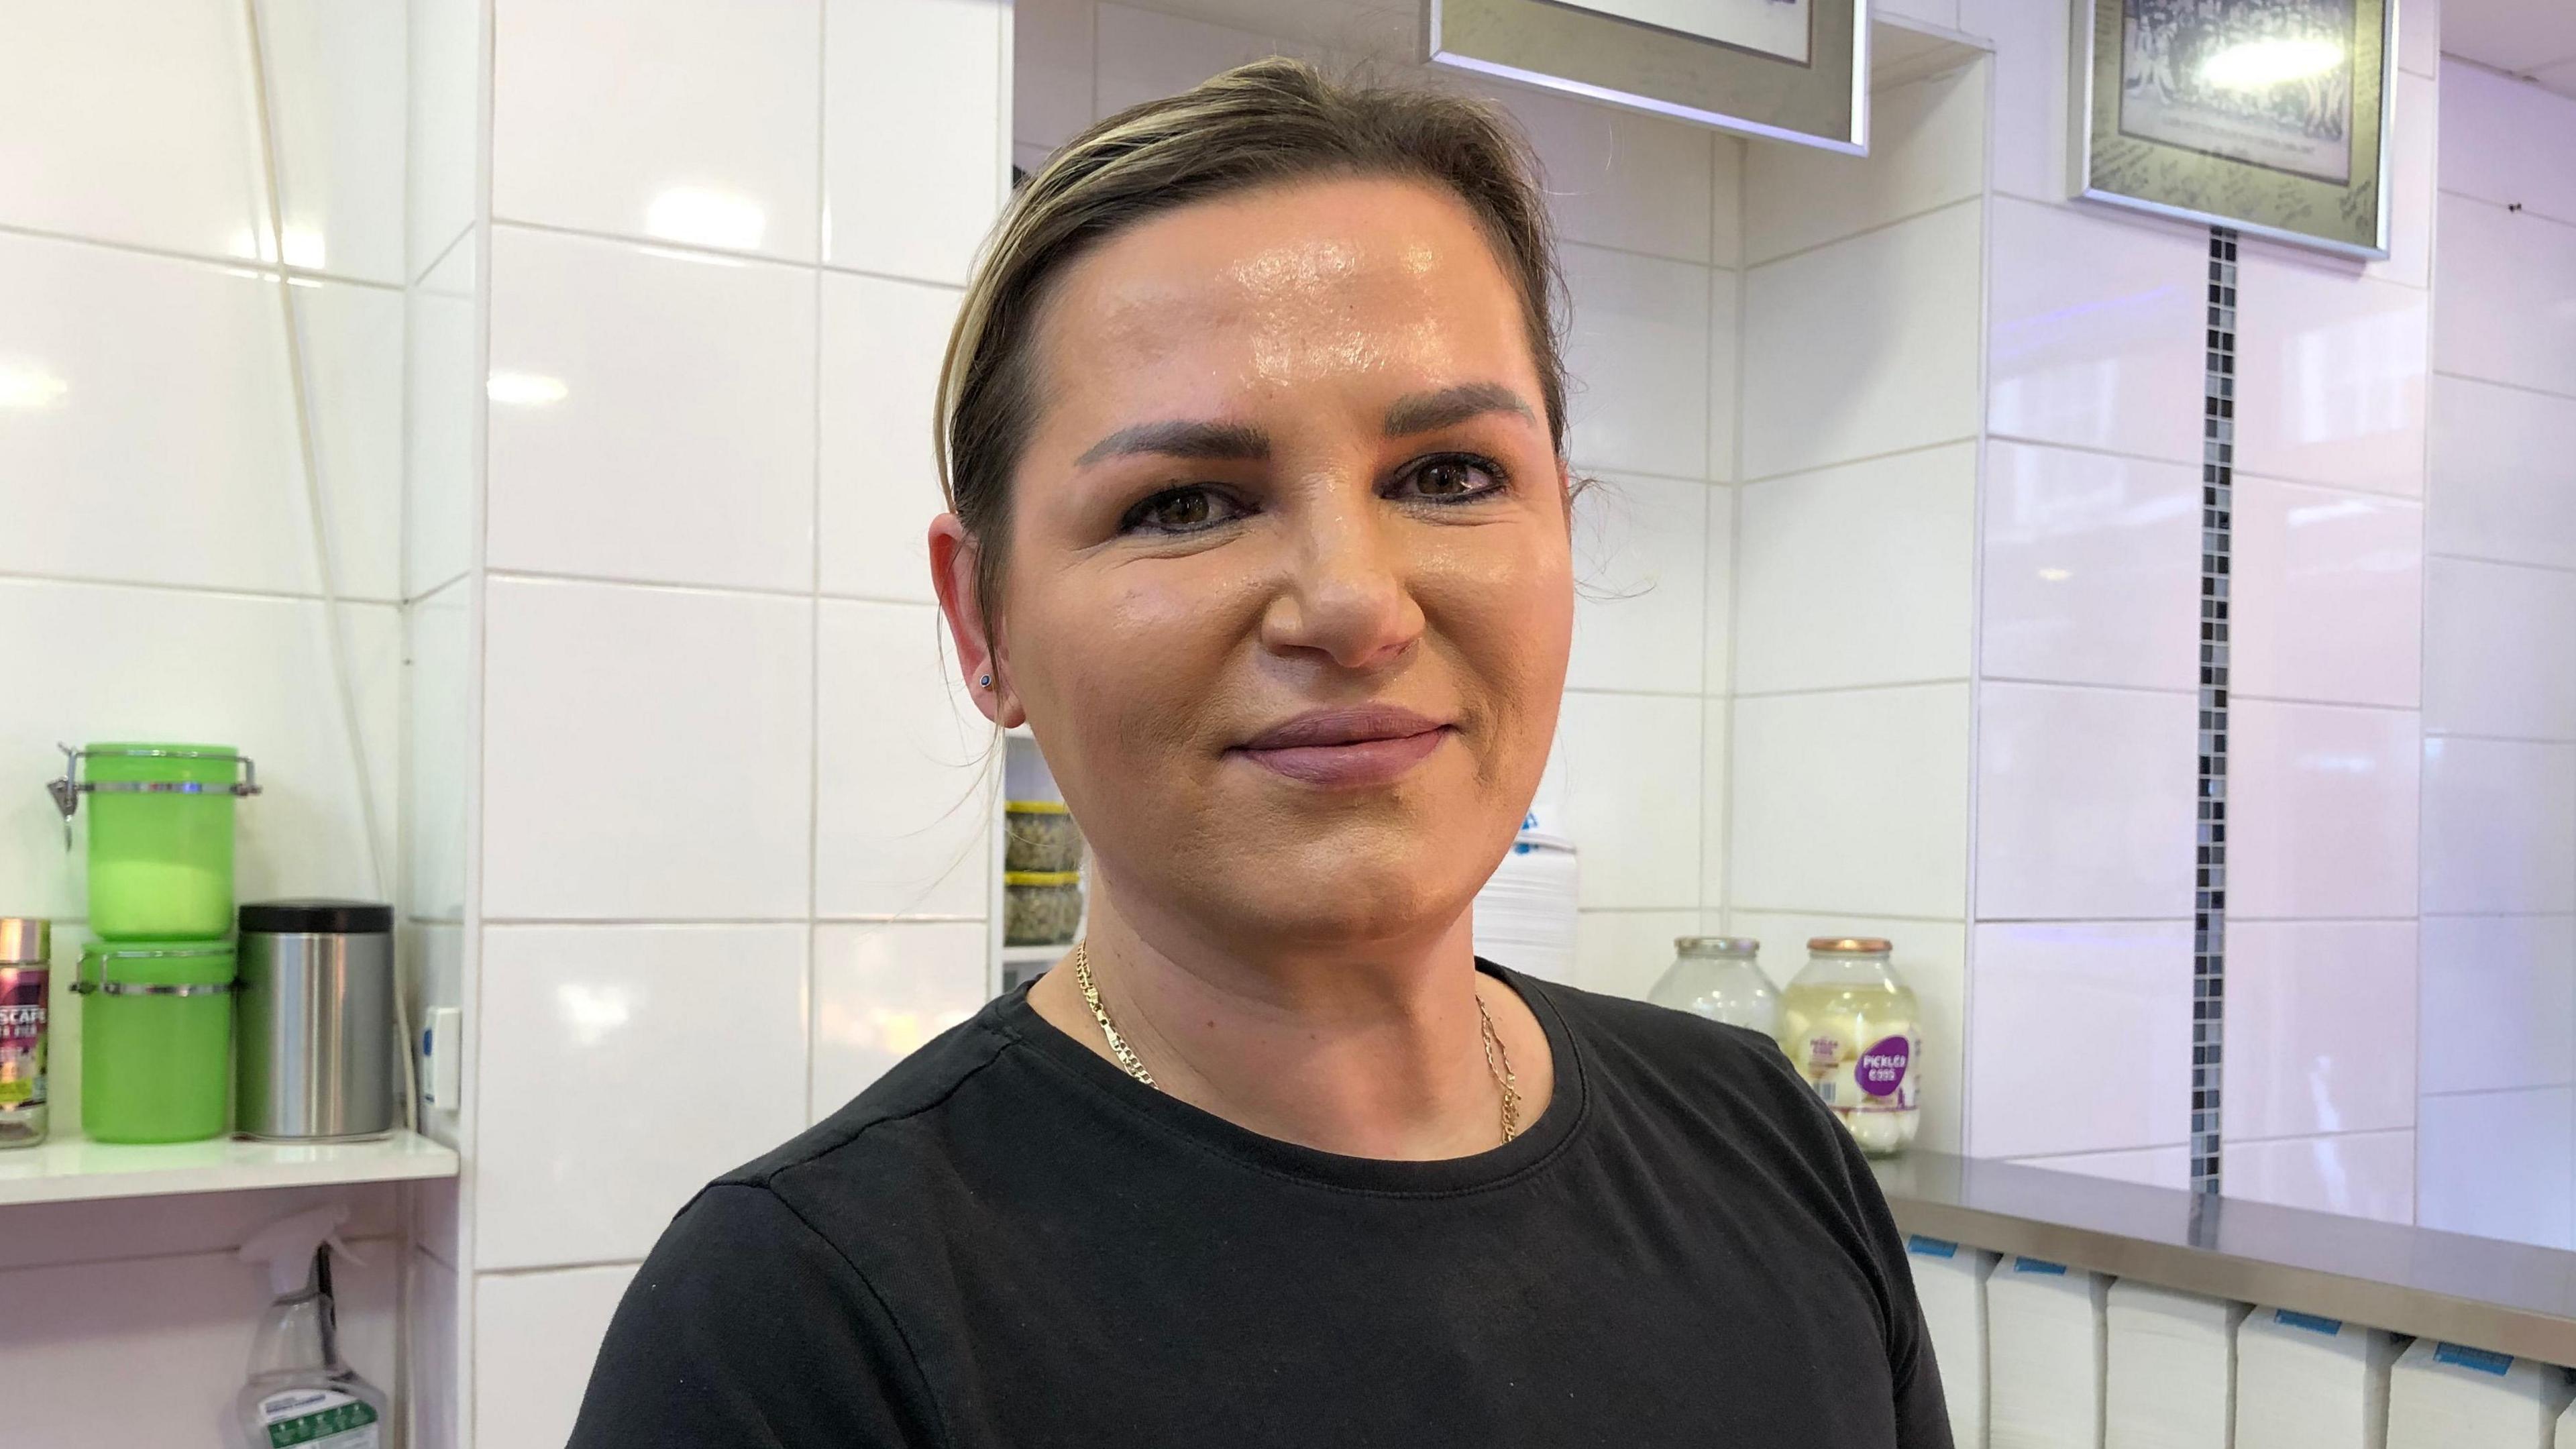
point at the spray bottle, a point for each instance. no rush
(300, 1391)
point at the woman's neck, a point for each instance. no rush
(1370, 1050)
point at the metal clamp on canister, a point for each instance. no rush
(68, 790)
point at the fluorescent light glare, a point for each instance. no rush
(524, 389)
(705, 219)
(26, 387)
(2055, 576)
(2257, 64)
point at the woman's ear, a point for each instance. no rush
(954, 561)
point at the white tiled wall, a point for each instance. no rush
(159, 576)
(2498, 865)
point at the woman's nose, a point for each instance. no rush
(1345, 592)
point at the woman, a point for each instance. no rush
(1253, 430)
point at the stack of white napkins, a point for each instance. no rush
(2442, 1394)
(1950, 1282)
(2172, 1380)
(2045, 1336)
(2304, 1382)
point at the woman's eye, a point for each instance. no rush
(1452, 479)
(1181, 510)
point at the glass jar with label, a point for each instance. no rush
(1850, 1024)
(1718, 977)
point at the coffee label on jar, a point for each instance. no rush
(22, 1037)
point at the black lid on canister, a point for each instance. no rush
(317, 918)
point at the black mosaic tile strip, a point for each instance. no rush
(2217, 545)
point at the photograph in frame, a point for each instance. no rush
(2270, 116)
(1793, 70)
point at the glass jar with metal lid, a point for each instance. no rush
(1851, 1026)
(1720, 978)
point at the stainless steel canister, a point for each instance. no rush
(314, 1031)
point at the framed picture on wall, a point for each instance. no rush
(2271, 116)
(1792, 70)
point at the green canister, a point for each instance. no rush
(160, 836)
(156, 1039)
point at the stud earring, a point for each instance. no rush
(983, 681)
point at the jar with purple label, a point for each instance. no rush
(1850, 1024)
(25, 950)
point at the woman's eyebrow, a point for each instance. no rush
(1423, 412)
(1181, 438)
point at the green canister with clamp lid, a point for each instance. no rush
(160, 835)
(156, 1039)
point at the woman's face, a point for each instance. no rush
(1288, 595)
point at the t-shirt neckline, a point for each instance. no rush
(1567, 1106)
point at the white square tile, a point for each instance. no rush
(2499, 826)
(353, 358)
(2168, 1167)
(155, 439)
(129, 121)
(1145, 55)
(652, 414)
(902, 798)
(1638, 353)
(1862, 574)
(1852, 801)
(445, 94)
(882, 342)
(1717, 631)
(1632, 766)
(1716, 758)
(1624, 953)
(2326, 594)
(1932, 958)
(2503, 474)
(1726, 201)
(336, 86)
(1926, 150)
(2083, 1037)
(2030, 107)
(535, 1335)
(2330, 374)
(2092, 569)
(2321, 811)
(2508, 286)
(438, 750)
(2084, 803)
(143, 664)
(443, 388)
(2491, 124)
(1943, 13)
(647, 753)
(1725, 369)
(2498, 1004)
(1617, 178)
(1642, 575)
(2500, 652)
(2320, 1028)
(660, 119)
(1051, 71)
(2419, 38)
(2497, 1164)
(881, 990)
(917, 209)
(2097, 330)
(1866, 346)
(434, 1303)
(620, 1069)
(2364, 1175)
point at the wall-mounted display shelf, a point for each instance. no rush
(70, 1168)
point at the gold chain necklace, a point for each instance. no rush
(1497, 1060)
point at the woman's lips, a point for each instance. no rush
(1347, 748)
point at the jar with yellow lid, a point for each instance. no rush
(1041, 907)
(1851, 1026)
(1039, 835)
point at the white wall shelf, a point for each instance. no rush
(74, 1169)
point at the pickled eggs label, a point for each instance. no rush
(1882, 1067)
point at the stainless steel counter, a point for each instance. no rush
(2477, 1291)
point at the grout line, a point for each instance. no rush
(718, 254)
(1703, 263)
(2027, 441)
(535, 1269)
(2247, 696)
(203, 591)
(464, 234)
(2520, 387)
(2488, 739)
(2503, 563)
(2314, 1136)
(266, 270)
(1849, 914)
(1852, 688)
(798, 922)
(2187, 691)
(1976, 199)
(1911, 450)
(814, 575)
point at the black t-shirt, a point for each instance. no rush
(1006, 1243)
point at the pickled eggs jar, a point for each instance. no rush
(1717, 977)
(1849, 1024)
